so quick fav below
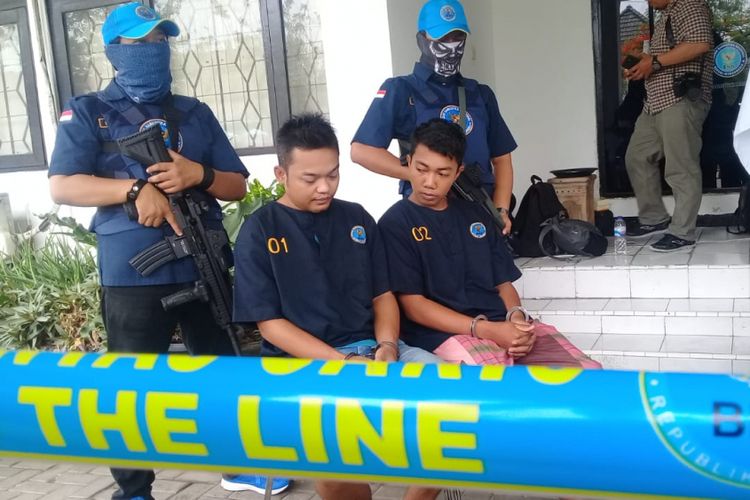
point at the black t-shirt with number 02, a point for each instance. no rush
(454, 257)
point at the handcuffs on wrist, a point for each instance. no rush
(371, 354)
(481, 317)
(474, 321)
(384, 344)
(526, 316)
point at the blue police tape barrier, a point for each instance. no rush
(517, 429)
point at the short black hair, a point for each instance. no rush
(440, 136)
(306, 131)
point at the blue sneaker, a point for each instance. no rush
(250, 482)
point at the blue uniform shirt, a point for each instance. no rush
(85, 123)
(454, 257)
(404, 102)
(320, 271)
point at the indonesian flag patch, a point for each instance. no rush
(380, 94)
(66, 115)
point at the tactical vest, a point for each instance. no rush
(430, 103)
(117, 119)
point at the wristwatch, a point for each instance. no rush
(136, 189)
(655, 64)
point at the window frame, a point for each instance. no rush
(274, 42)
(14, 11)
(56, 13)
(604, 14)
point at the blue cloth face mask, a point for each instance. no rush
(142, 69)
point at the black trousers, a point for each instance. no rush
(136, 322)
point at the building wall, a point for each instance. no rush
(540, 68)
(357, 59)
(544, 80)
(537, 56)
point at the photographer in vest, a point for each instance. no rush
(678, 77)
(85, 172)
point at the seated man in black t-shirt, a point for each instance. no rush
(311, 270)
(452, 273)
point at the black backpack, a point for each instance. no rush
(572, 237)
(539, 204)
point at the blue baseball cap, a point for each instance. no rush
(135, 20)
(439, 17)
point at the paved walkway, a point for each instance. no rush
(32, 480)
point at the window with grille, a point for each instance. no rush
(20, 129)
(254, 62)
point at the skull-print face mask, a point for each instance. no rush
(443, 57)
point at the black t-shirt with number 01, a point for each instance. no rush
(319, 271)
(454, 257)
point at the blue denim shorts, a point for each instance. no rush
(407, 353)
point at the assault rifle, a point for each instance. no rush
(469, 187)
(205, 246)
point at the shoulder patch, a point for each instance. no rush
(66, 116)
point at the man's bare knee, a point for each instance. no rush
(334, 490)
(421, 493)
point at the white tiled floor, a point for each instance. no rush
(685, 325)
(632, 305)
(561, 305)
(695, 365)
(741, 346)
(718, 266)
(683, 311)
(632, 343)
(604, 283)
(698, 344)
(654, 282)
(701, 305)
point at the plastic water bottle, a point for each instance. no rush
(621, 244)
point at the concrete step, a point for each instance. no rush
(699, 335)
(693, 353)
(672, 317)
(717, 267)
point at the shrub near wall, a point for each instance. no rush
(49, 298)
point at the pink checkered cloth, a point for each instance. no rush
(550, 349)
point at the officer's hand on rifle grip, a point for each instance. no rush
(177, 175)
(507, 223)
(153, 209)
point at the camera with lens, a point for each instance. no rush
(688, 85)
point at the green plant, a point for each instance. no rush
(78, 232)
(257, 195)
(50, 298)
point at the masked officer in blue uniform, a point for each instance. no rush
(432, 90)
(85, 172)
